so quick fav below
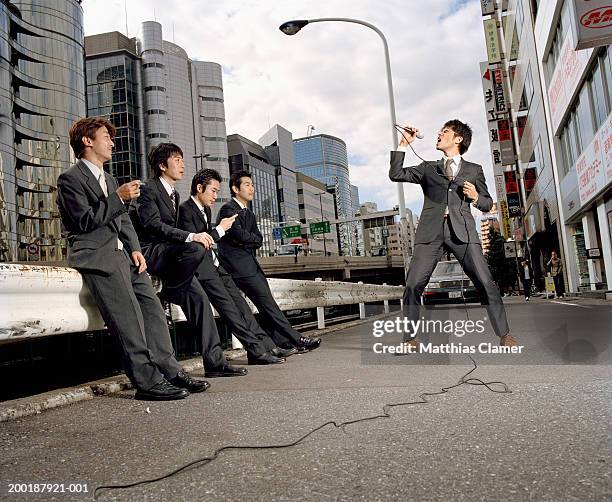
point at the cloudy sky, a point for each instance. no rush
(331, 75)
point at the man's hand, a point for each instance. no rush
(129, 191)
(408, 136)
(469, 190)
(226, 223)
(203, 238)
(139, 261)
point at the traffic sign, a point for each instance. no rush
(277, 234)
(320, 227)
(291, 231)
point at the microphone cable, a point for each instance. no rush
(497, 387)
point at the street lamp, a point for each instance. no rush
(201, 156)
(291, 28)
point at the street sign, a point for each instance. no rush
(509, 249)
(291, 231)
(320, 227)
(277, 234)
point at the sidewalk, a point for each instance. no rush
(547, 440)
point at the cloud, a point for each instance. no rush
(332, 75)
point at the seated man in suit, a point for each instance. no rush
(237, 254)
(104, 248)
(174, 254)
(450, 186)
(195, 216)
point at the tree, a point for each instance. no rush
(502, 269)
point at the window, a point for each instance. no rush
(600, 102)
(156, 112)
(584, 114)
(155, 88)
(152, 65)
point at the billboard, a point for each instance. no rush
(592, 23)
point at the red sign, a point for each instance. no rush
(597, 18)
(511, 184)
(503, 126)
(529, 179)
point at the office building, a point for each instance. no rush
(42, 93)
(324, 158)
(316, 205)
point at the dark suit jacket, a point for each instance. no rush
(440, 192)
(91, 221)
(238, 246)
(192, 220)
(156, 222)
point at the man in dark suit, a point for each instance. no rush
(174, 254)
(451, 186)
(195, 216)
(237, 254)
(104, 248)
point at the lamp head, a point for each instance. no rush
(292, 27)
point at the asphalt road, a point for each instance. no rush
(549, 439)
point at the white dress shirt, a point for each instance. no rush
(169, 189)
(101, 177)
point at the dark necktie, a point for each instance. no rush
(448, 169)
(173, 199)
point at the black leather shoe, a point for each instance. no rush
(280, 352)
(184, 381)
(309, 343)
(162, 391)
(226, 371)
(265, 358)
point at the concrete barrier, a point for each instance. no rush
(40, 301)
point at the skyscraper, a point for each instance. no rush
(42, 92)
(324, 158)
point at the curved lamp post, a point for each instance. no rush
(291, 28)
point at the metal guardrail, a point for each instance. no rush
(38, 301)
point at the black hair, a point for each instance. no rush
(463, 130)
(160, 154)
(235, 179)
(204, 177)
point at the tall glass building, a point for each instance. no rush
(42, 93)
(114, 92)
(324, 158)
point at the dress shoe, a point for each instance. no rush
(162, 391)
(226, 371)
(184, 381)
(308, 343)
(508, 340)
(265, 358)
(280, 352)
(406, 350)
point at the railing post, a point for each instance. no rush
(386, 302)
(402, 304)
(320, 311)
(361, 307)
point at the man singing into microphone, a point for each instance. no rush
(450, 186)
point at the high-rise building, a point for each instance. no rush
(183, 104)
(358, 229)
(381, 230)
(278, 144)
(488, 222)
(114, 91)
(316, 205)
(42, 93)
(246, 155)
(324, 158)
(561, 94)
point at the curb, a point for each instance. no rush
(34, 405)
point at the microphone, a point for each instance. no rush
(419, 134)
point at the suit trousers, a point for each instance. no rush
(235, 311)
(133, 313)
(176, 265)
(469, 255)
(272, 318)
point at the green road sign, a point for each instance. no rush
(291, 231)
(320, 227)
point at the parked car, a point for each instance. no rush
(449, 284)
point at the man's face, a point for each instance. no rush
(174, 168)
(208, 196)
(102, 144)
(448, 141)
(247, 189)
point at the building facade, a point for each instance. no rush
(324, 158)
(560, 100)
(316, 205)
(114, 92)
(42, 93)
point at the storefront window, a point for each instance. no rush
(581, 255)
